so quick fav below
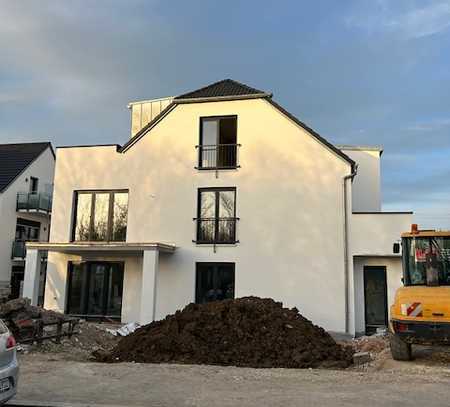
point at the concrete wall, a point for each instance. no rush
(42, 168)
(375, 233)
(393, 276)
(367, 183)
(289, 200)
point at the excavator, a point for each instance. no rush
(421, 310)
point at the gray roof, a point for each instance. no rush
(223, 89)
(14, 158)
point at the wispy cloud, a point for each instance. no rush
(407, 20)
(430, 125)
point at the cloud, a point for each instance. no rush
(68, 70)
(430, 125)
(407, 20)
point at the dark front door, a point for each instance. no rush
(95, 289)
(214, 282)
(375, 297)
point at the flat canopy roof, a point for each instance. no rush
(115, 247)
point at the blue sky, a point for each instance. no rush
(371, 72)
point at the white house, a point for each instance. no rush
(26, 179)
(220, 193)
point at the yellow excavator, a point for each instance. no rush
(421, 310)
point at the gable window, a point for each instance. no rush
(218, 143)
(100, 216)
(216, 222)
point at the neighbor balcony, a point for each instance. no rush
(40, 203)
(19, 251)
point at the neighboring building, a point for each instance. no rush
(26, 181)
(219, 193)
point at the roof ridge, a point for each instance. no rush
(223, 88)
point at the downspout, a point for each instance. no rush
(346, 262)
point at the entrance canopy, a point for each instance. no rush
(103, 248)
(92, 250)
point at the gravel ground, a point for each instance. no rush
(384, 382)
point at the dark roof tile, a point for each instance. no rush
(224, 88)
(14, 158)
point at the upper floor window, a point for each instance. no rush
(218, 142)
(100, 216)
(34, 184)
(216, 222)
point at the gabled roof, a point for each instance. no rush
(228, 89)
(225, 89)
(15, 158)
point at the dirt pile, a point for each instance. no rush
(249, 331)
(22, 318)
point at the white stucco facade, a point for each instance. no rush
(41, 168)
(289, 200)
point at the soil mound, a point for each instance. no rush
(249, 331)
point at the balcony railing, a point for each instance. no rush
(218, 156)
(19, 251)
(216, 230)
(34, 202)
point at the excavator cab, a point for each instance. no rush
(421, 310)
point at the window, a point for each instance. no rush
(218, 148)
(216, 222)
(95, 289)
(34, 183)
(214, 282)
(100, 216)
(427, 260)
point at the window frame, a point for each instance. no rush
(87, 265)
(93, 193)
(201, 145)
(214, 264)
(217, 218)
(34, 181)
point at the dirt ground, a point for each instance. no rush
(48, 377)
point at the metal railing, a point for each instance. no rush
(218, 156)
(29, 201)
(19, 250)
(216, 230)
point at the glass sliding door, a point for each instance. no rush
(95, 289)
(77, 283)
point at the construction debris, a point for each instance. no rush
(124, 330)
(29, 323)
(373, 344)
(361, 358)
(249, 331)
(90, 337)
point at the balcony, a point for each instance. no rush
(40, 203)
(216, 230)
(218, 156)
(19, 251)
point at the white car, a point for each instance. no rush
(9, 368)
